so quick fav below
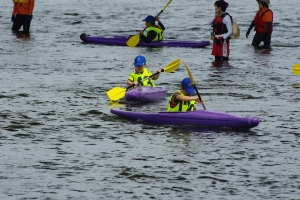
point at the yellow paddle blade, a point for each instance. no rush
(167, 5)
(133, 41)
(116, 93)
(190, 74)
(172, 66)
(296, 69)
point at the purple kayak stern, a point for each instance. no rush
(146, 94)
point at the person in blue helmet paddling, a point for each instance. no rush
(153, 32)
(182, 100)
(141, 73)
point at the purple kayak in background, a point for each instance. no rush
(197, 117)
(121, 41)
(146, 94)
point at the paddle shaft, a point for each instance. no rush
(199, 96)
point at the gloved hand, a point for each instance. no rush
(219, 40)
(248, 32)
(13, 17)
(28, 18)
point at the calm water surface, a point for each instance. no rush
(58, 139)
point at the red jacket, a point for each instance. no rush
(23, 8)
(261, 20)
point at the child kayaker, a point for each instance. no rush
(154, 32)
(141, 72)
(181, 100)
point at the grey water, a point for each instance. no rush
(58, 139)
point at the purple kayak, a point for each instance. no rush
(197, 117)
(121, 41)
(146, 94)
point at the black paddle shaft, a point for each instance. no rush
(199, 96)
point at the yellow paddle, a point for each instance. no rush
(117, 93)
(296, 69)
(134, 40)
(193, 83)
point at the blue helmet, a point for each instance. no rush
(149, 18)
(188, 87)
(139, 61)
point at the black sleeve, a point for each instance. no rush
(150, 37)
(161, 26)
(251, 25)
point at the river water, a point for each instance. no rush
(58, 139)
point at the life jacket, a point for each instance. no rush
(259, 24)
(141, 76)
(21, 1)
(174, 105)
(158, 30)
(218, 26)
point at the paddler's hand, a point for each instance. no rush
(157, 18)
(201, 100)
(135, 83)
(158, 71)
(141, 32)
(157, 75)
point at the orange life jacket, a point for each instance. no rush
(260, 24)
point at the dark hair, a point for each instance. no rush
(221, 4)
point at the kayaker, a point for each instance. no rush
(182, 100)
(153, 32)
(140, 73)
(22, 15)
(263, 24)
(222, 28)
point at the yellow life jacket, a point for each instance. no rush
(21, 1)
(159, 32)
(175, 105)
(139, 77)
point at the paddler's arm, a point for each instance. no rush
(129, 82)
(189, 98)
(149, 38)
(159, 23)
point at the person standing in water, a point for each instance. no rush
(222, 28)
(22, 15)
(263, 23)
